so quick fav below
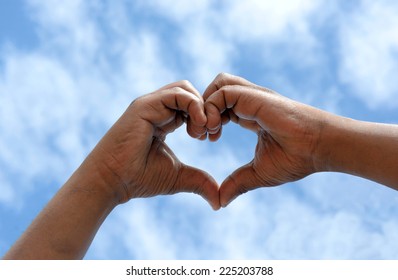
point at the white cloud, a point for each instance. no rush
(180, 10)
(71, 24)
(275, 224)
(265, 224)
(208, 53)
(212, 33)
(147, 233)
(143, 69)
(204, 51)
(369, 53)
(266, 20)
(38, 102)
(7, 195)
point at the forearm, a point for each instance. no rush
(368, 150)
(67, 225)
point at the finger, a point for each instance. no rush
(160, 107)
(215, 136)
(226, 117)
(214, 122)
(224, 79)
(184, 84)
(182, 100)
(213, 118)
(197, 181)
(232, 116)
(203, 137)
(245, 102)
(239, 182)
(195, 131)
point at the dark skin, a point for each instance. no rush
(296, 140)
(153, 169)
(132, 160)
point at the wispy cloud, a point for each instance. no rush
(7, 195)
(369, 57)
(257, 20)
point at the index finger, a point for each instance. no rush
(182, 100)
(184, 84)
(246, 103)
(224, 79)
(193, 129)
(159, 108)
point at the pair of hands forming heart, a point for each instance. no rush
(132, 159)
(136, 162)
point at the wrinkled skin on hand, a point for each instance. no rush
(134, 157)
(288, 133)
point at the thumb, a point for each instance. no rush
(239, 182)
(195, 180)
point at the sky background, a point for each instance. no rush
(68, 69)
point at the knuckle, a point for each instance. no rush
(225, 89)
(138, 102)
(177, 90)
(219, 81)
(222, 80)
(185, 84)
(223, 76)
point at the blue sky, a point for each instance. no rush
(68, 69)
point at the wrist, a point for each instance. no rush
(100, 181)
(333, 149)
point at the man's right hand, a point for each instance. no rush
(288, 133)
